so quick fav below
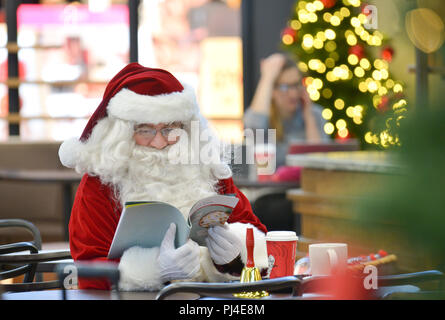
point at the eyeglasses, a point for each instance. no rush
(285, 87)
(150, 133)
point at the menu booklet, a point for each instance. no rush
(144, 223)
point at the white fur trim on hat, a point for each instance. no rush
(68, 152)
(163, 108)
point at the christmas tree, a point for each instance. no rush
(346, 66)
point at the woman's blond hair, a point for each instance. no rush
(275, 121)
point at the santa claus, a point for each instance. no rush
(126, 153)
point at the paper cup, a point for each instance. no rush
(281, 250)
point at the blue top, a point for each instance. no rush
(293, 129)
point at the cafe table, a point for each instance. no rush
(89, 294)
(291, 287)
(80, 294)
(254, 188)
(242, 182)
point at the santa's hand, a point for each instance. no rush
(224, 246)
(181, 263)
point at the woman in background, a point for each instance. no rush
(281, 102)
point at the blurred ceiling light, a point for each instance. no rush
(98, 5)
(235, 4)
(425, 29)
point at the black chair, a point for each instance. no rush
(26, 225)
(226, 290)
(430, 285)
(275, 212)
(24, 258)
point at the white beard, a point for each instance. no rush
(152, 177)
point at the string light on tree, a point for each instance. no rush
(347, 70)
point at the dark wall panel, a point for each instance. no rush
(262, 23)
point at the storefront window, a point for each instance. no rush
(68, 53)
(199, 41)
(3, 87)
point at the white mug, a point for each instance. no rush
(324, 257)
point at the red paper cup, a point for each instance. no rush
(281, 250)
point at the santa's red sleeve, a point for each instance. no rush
(93, 221)
(243, 211)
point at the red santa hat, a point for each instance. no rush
(144, 95)
(139, 94)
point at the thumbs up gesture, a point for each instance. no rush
(180, 263)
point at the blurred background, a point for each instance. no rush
(376, 68)
(66, 52)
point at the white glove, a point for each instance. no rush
(224, 246)
(181, 263)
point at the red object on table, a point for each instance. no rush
(382, 253)
(250, 243)
(283, 254)
(287, 173)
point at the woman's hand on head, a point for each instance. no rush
(271, 66)
(305, 101)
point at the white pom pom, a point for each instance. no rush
(68, 152)
(221, 171)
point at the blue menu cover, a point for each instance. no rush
(145, 223)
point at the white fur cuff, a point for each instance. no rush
(139, 270)
(210, 273)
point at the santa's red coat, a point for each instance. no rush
(95, 215)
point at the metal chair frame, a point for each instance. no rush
(14, 262)
(304, 284)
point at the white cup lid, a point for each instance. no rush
(281, 236)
